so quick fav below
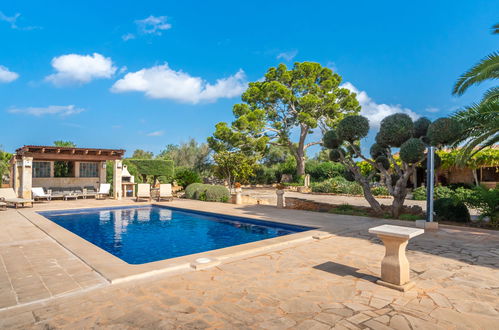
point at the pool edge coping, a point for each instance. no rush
(115, 270)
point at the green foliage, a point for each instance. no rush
(189, 154)
(448, 209)
(377, 150)
(320, 171)
(439, 191)
(331, 140)
(337, 185)
(486, 201)
(184, 176)
(217, 194)
(348, 209)
(444, 131)
(380, 191)
(486, 157)
(352, 128)
(335, 154)
(365, 169)
(383, 161)
(303, 97)
(410, 217)
(153, 167)
(63, 169)
(192, 190)
(234, 166)
(64, 144)
(412, 151)
(141, 154)
(276, 155)
(395, 130)
(421, 127)
(265, 175)
(206, 192)
(4, 163)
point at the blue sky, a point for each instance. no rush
(146, 74)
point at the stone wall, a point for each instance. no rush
(305, 204)
(65, 182)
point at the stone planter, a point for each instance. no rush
(239, 196)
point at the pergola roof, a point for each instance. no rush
(69, 153)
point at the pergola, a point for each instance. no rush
(49, 166)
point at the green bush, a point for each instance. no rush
(192, 190)
(320, 171)
(448, 209)
(377, 150)
(264, 175)
(486, 201)
(395, 130)
(412, 151)
(216, 193)
(421, 127)
(331, 140)
(380, 191)
(438, 192)
(337, 185)
(352, 128)
(444, 131)
(185, 176)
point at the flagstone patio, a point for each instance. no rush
(318, 284)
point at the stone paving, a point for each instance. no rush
(322, 284)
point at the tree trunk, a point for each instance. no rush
(368, 195)
(300, 166)
(300, 152)
(397, 205)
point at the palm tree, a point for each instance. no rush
(480, 121)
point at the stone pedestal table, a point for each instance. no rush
(395, 266)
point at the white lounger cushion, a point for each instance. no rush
(10, 196)
(165, 190)
(38, 192)
(143, 190)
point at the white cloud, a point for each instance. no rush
(376, 112)
(128, 36)
(6, 75)
(161, 82)
(60, 110)
(12, 20)
(432, 109)
(80, 69)
(153, 25)
(287, 56)
(156, 133)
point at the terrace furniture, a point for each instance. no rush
(395, 266)
(9, 196)
(143, 191)
(38, 193)
(3, 205)
(165, 191)
(89, 191)
(103, 190)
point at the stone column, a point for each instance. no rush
(280, 198)
(102, 172)
(239, 196)
(26, 177)
(117, 172)
(77, 169)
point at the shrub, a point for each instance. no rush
(216, 193)
(438, 192)
(377, 150)
(192, 190)
(380, 191)
(448, 209)
(395, 130)
(383, 161)
(486, 201)
(320, 171)
(443, 131)
(352, 128)
(264, 175)
(185, 176)
(335, 155)
(337, 185)
(412, 150)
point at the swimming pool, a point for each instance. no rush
(141, 234)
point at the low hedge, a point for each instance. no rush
(206, 192)
(337, 185)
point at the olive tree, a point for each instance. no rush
(284, 109)
(396, 131)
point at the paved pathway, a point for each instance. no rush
(318, 285)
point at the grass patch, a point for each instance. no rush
(410, 217)
(347, 209)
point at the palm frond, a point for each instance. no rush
(487, 68)
(492, 94)
(495, 29)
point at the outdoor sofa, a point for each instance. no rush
(9, 196)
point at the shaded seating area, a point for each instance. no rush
(8, 196)
(65, 172)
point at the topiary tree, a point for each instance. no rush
(396, 131)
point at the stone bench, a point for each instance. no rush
(395, 266)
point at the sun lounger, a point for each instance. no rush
(165, 191)
(103, 190)
(9, 196)
(143, 191)
(38, 194)
(3, 205)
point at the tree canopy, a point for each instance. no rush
(284, 109)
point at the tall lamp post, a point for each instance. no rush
(430, 181)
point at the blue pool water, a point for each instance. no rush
(139, 235)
